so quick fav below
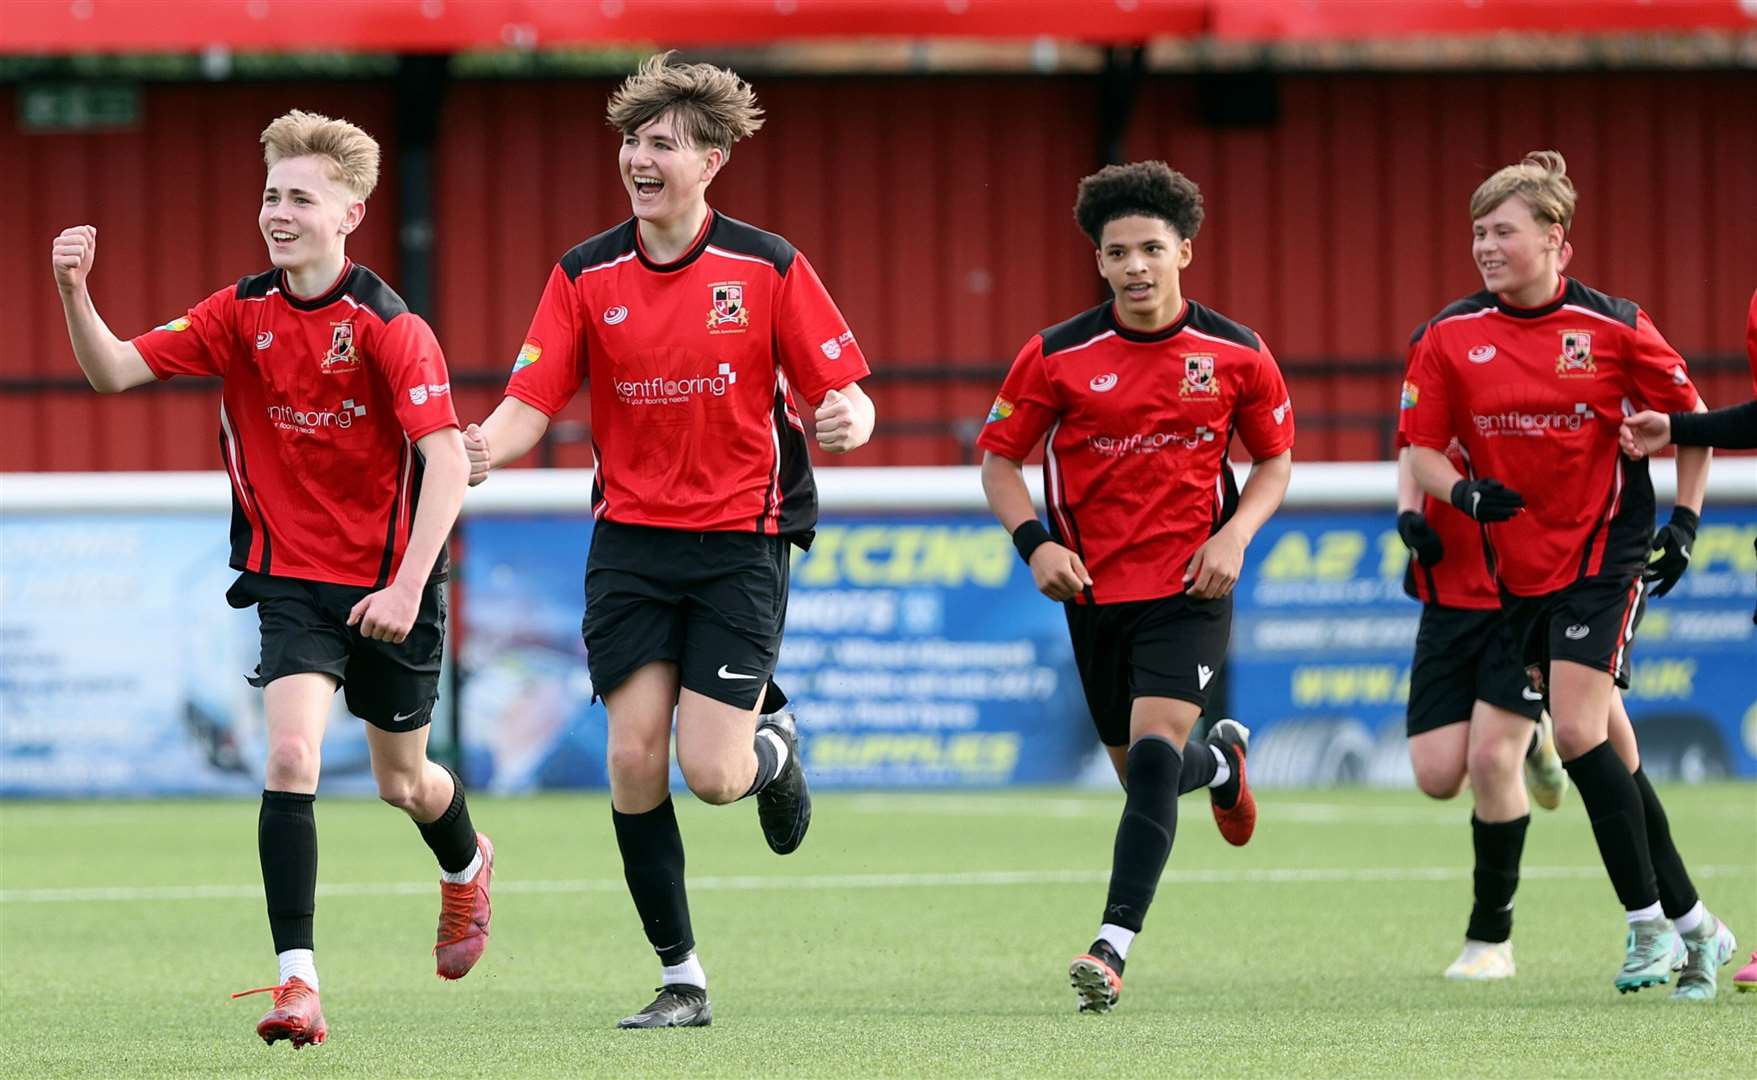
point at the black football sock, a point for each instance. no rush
(451, 836)
(768, 764)
(1144, 837)
(652, 864)
(1677, 894)
(1199, 767)
(1613, 803)
(286, 844)
(1498, 847)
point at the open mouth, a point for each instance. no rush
(281, 236)
(647, 187)
(1139, 290)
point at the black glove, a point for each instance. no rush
(1419, 537)
(1673, 542)
(1486, 500)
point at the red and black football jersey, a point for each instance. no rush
(322, 402)
(1751, 341)
(1135, 428)
(695, 368)
(1534, 398)
(1462, 578)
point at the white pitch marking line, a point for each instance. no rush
(713, 883)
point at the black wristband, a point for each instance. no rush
(1687, 518)
(1030, 536)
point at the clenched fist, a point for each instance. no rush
(72, 256)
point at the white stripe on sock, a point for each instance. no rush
(1690, 920)
(1647, 914)
(689, 973)
(467, 874)
(1224, 772)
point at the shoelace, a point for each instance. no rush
(284, 993)
(457, 909)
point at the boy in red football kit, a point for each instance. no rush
(347, 471)
(699, 333)
(1531, 377)
(1136, 401)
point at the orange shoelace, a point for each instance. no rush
(284, 993)
(457, 908)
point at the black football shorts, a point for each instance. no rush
(305, 628)
(1591, 622)
(713, 603)
(1462, 657)
(1170, 647)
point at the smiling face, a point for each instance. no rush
(666, 177)
(1141, 258)
(1517, 255)
(306, 216)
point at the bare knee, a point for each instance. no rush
(293, 764)
(633, 762)
(1439, 780)
(715, 783)
(1496, 763)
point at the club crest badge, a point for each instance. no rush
(342, 355)
(728, 315)
(1576, 360)
(1198, 378)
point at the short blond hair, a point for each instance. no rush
(711, 106)
(352, 155)
(1541, 179)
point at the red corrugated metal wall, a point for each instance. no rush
(175, 203)
(937, 212)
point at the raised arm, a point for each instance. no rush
(110, 364)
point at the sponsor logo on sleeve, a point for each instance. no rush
(342, 355)
(175, 326)
(1411, 395)
(727, 313)
(1280, 411)
(1679, 376)
(529, 354)
(1576, 361)
(421, 393)
(834, 346)
(1000, 410)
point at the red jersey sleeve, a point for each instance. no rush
(199, 343)
(1657, 376)
(815, 348)
(409, 358)
(1425, 413)
(1025, 409)
(1264, 412)
(1751, 341)
(551, 365)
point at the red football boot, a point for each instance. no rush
(297, 1015)
(463, 918)
(1235, 809)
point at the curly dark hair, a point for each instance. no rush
(1148, 188)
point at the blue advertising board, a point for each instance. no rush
(917, 653)
(1323, 636)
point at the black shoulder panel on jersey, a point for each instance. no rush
(1208, 321)
(1078, 330)
(370, 292)
(1468, 305)
(736, 236)
(257, 286)
(1420, 332)
(1611, 307)
(606, 247)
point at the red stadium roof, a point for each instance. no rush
(72, 26)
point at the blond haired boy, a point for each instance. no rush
(347, 471)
